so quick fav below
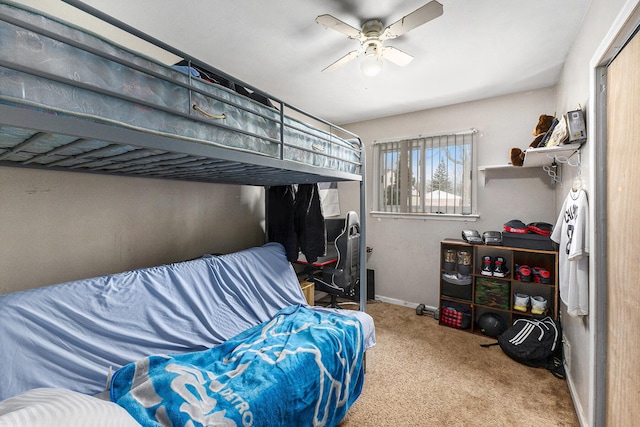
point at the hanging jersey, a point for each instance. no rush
(571, 233)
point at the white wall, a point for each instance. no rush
(406, 252)
(61, 226)
(574, 89)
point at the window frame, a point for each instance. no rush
(403, 156)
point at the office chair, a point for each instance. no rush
(343, 278)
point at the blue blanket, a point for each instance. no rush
(302, 367)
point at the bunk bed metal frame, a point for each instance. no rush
(131, 151)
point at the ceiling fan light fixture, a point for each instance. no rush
(371, 64)
(373, 34)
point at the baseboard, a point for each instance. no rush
(576, 402)
(403, 303)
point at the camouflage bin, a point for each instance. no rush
(492, 293)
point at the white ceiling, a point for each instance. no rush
(476, 49)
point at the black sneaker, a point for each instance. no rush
(500, 268)
(524, 273)
(541, 275)
(487, 266)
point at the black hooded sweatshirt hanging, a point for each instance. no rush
(309, 222)
(295, 219)
(280, 219)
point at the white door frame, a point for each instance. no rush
(621, 32)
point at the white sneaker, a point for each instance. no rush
(520, 302)
(538, 305)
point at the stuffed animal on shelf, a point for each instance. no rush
(543, 126)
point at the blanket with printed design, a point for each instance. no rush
(303, 367)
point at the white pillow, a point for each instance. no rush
(49, 407)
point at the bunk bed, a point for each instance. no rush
(71, 100)
(74, 101)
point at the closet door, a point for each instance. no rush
(623, 237)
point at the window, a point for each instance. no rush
(426, 174)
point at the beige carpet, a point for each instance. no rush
(423, 374)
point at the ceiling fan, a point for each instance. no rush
(373, 34)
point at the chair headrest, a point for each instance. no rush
(352, 219)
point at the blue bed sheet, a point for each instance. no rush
(69, 335)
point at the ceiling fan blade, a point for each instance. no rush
(396, 56)
(338, 25)
(413, 20)
(340, 62)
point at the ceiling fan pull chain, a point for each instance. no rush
(211, 116)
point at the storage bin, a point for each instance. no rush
(455, 315)
(493, 293)
(457, 286)
(527, 241)
(308, 289)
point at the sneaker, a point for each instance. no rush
(500, 268)
(524, 273)
(520, 302)
(535, 274)
(464, 262)
(545, 276)
(487, 263)
(541, 275)
(538, 305)
(449, 263)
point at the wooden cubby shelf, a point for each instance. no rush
(463, 285)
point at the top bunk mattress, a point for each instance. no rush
(51, 67)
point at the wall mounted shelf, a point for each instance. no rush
(539, 157)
